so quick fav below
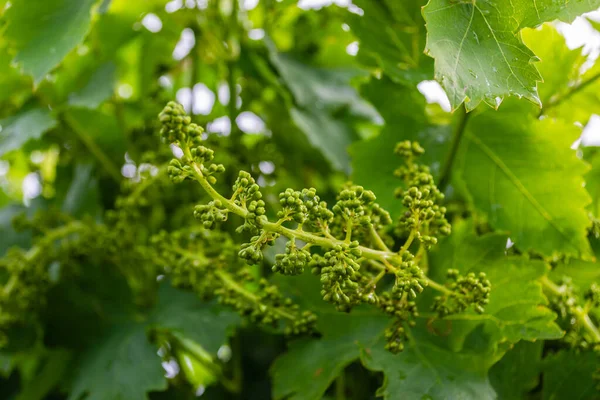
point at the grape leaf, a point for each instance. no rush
(98, 89)
(44, 34)
(48, 377)
(397, 44)
(101, 128)
(207, 324)
(520, 172)
(516, 308)
(374, 161)
(322, 98)
(518, 371)
(582, 273)
(427, 369)
(11, 81)
(310, 366)
(82, 196)
(121, 366)
(479, 55)
(568, 375)
(27, 125)
(566, 92)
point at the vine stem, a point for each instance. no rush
(440, 288)
(231, 72)
(276, 227)
(457, 135)
(378, 240)
(340, 386)
(230, 282)
(387, 266)
(379, 258)
(50, 238)
(93, 148)
(569, 93)
(582, 315)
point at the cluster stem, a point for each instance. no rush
(582, 315)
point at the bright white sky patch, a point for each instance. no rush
(185, 45)
(250, 123)
(152, 22)
(221, 125)
(204, 99)
(434, 93)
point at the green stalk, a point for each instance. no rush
(232, 284)
(50, 238)
(93, 148)
(459, 131)
(581, 315)
(272, 226)
(551, 104)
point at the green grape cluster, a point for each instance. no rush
(348, 245)
(464, 291)
(409, 279)
(340, 275)
(404, 313)
(207, 263)
(293, 261)
(574, 309)
(421, 199)
(55, 253)
(247, 194)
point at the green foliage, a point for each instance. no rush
(53, 29)
(513, 153)
(478, 53)
(299, 221)
(23, 127)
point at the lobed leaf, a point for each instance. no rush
(396, 46)
(521, 174)
(44, 34)
(479, 55)
(25, 126)
(516, 309)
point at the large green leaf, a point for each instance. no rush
(82, 196)
(518, 371)
(310, 366)
(479, 55)
(179, 311)
(568, 375)
(27, 125)
(98, 89)
(43, 383)
(374, 161)
(12, 83)
(428, 369)
(123, 365)
(582, 273)
(516, 308)
(396, 46)
(430, 365)
(44, 34)
(566, 92)
(520, 172)
(322, 100)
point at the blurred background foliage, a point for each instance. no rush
(287, 87)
